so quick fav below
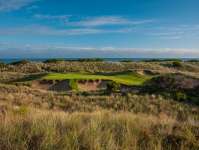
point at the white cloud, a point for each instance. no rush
(48, 31)
(34, 51)
(9, 5)
(167, 33)
(32, 8)
(175, 32)
(107, 20)
(52, 17)
(71, 20)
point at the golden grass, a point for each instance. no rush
(100, 130)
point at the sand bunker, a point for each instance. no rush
(61, 86)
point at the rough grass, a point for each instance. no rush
(37, 119)
(147, 104)
(94, 131)
(126, 78)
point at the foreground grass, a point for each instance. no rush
(126, 78)
(93, 131)
(147, 104)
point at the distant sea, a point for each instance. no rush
(10, 60)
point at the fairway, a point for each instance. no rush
(127, 78)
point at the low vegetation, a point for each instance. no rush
(21, 62)
(142, 105)
(177, 64)
(93, 131)
(90, 60)
(73, 84)
(163, 60)
(180, 87)
(53, 60)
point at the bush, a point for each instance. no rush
(22, 110)
(53, 60)
(112, 87)
(21, 62)
(193, 60)
(177, 64)
(85, 93)
(127, 60)
(73, 84)
(162, 60)
(176, 86)
(180, 96)
(172, 82)
(2, 64)
(90, 60)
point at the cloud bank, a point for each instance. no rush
(10, 5)
(39, 30)
(97, 21)
(61, 51)
(52, 17)
(107, 21)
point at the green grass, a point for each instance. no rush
(126, 78)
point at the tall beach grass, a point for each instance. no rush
(101, 130)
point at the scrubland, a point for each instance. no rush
(161, 116)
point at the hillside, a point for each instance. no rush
(99, 105)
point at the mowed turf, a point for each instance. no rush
(127, 78)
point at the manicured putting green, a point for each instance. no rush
(127, 78)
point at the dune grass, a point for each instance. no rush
(94, 131)
(126, 78)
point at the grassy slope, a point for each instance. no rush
(133, 121)
(26, 129)
(127, 78)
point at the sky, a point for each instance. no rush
(99, 28)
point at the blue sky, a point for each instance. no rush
(99, 28)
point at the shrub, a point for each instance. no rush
(90, 60)
(180, 96)
(21, 62)
(177, 64)
(193, 60)
(171, 82)
(22, 110)
(176, 86)
(161, 60)
(53, 60)
(112, 87)
(85, 93)
(73, 84)
(2, 65)
(127, 60)
(51, 102)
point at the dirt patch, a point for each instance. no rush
(40, 85)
